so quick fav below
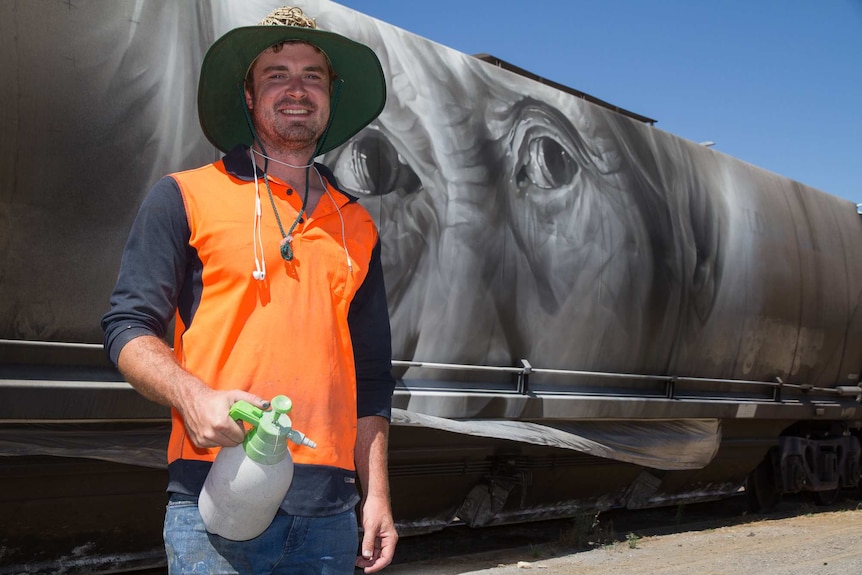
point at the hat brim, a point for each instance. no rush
(221, 99)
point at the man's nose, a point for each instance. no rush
(295, 85)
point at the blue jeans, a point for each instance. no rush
(291, 545)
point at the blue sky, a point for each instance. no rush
(776, 83)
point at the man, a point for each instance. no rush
(276, 295)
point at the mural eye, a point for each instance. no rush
(545, 165)
(547, 157)
(379, 168)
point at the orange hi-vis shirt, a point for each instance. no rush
(287, 334)
(315, 328)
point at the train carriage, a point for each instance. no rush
(587, 312)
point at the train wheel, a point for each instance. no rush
(761, 487)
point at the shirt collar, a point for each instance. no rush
(237, 164)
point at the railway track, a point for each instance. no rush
(458, 549)
(462, 550)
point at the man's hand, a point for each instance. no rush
(207, 419)
(379, 535)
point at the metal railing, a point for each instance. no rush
(670, 383)
(523, 373)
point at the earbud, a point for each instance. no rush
(258, 275)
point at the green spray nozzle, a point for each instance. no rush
(266, 442)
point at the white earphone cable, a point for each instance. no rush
(259, 272)
(337, 209)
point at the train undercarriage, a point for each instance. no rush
(84, 473)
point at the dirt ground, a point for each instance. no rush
(817, 543)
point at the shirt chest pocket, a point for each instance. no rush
(330, 262)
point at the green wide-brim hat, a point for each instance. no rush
(221, 99)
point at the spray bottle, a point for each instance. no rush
(248, 482)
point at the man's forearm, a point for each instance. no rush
(379, 536)
(149, 365)
(372, 447)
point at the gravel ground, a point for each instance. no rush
(812, 543)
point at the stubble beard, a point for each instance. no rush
(285, 133)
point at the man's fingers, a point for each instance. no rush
(368, 545)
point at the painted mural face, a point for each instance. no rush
(517, 221)
(511, 225)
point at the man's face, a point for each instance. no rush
(289, 97)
